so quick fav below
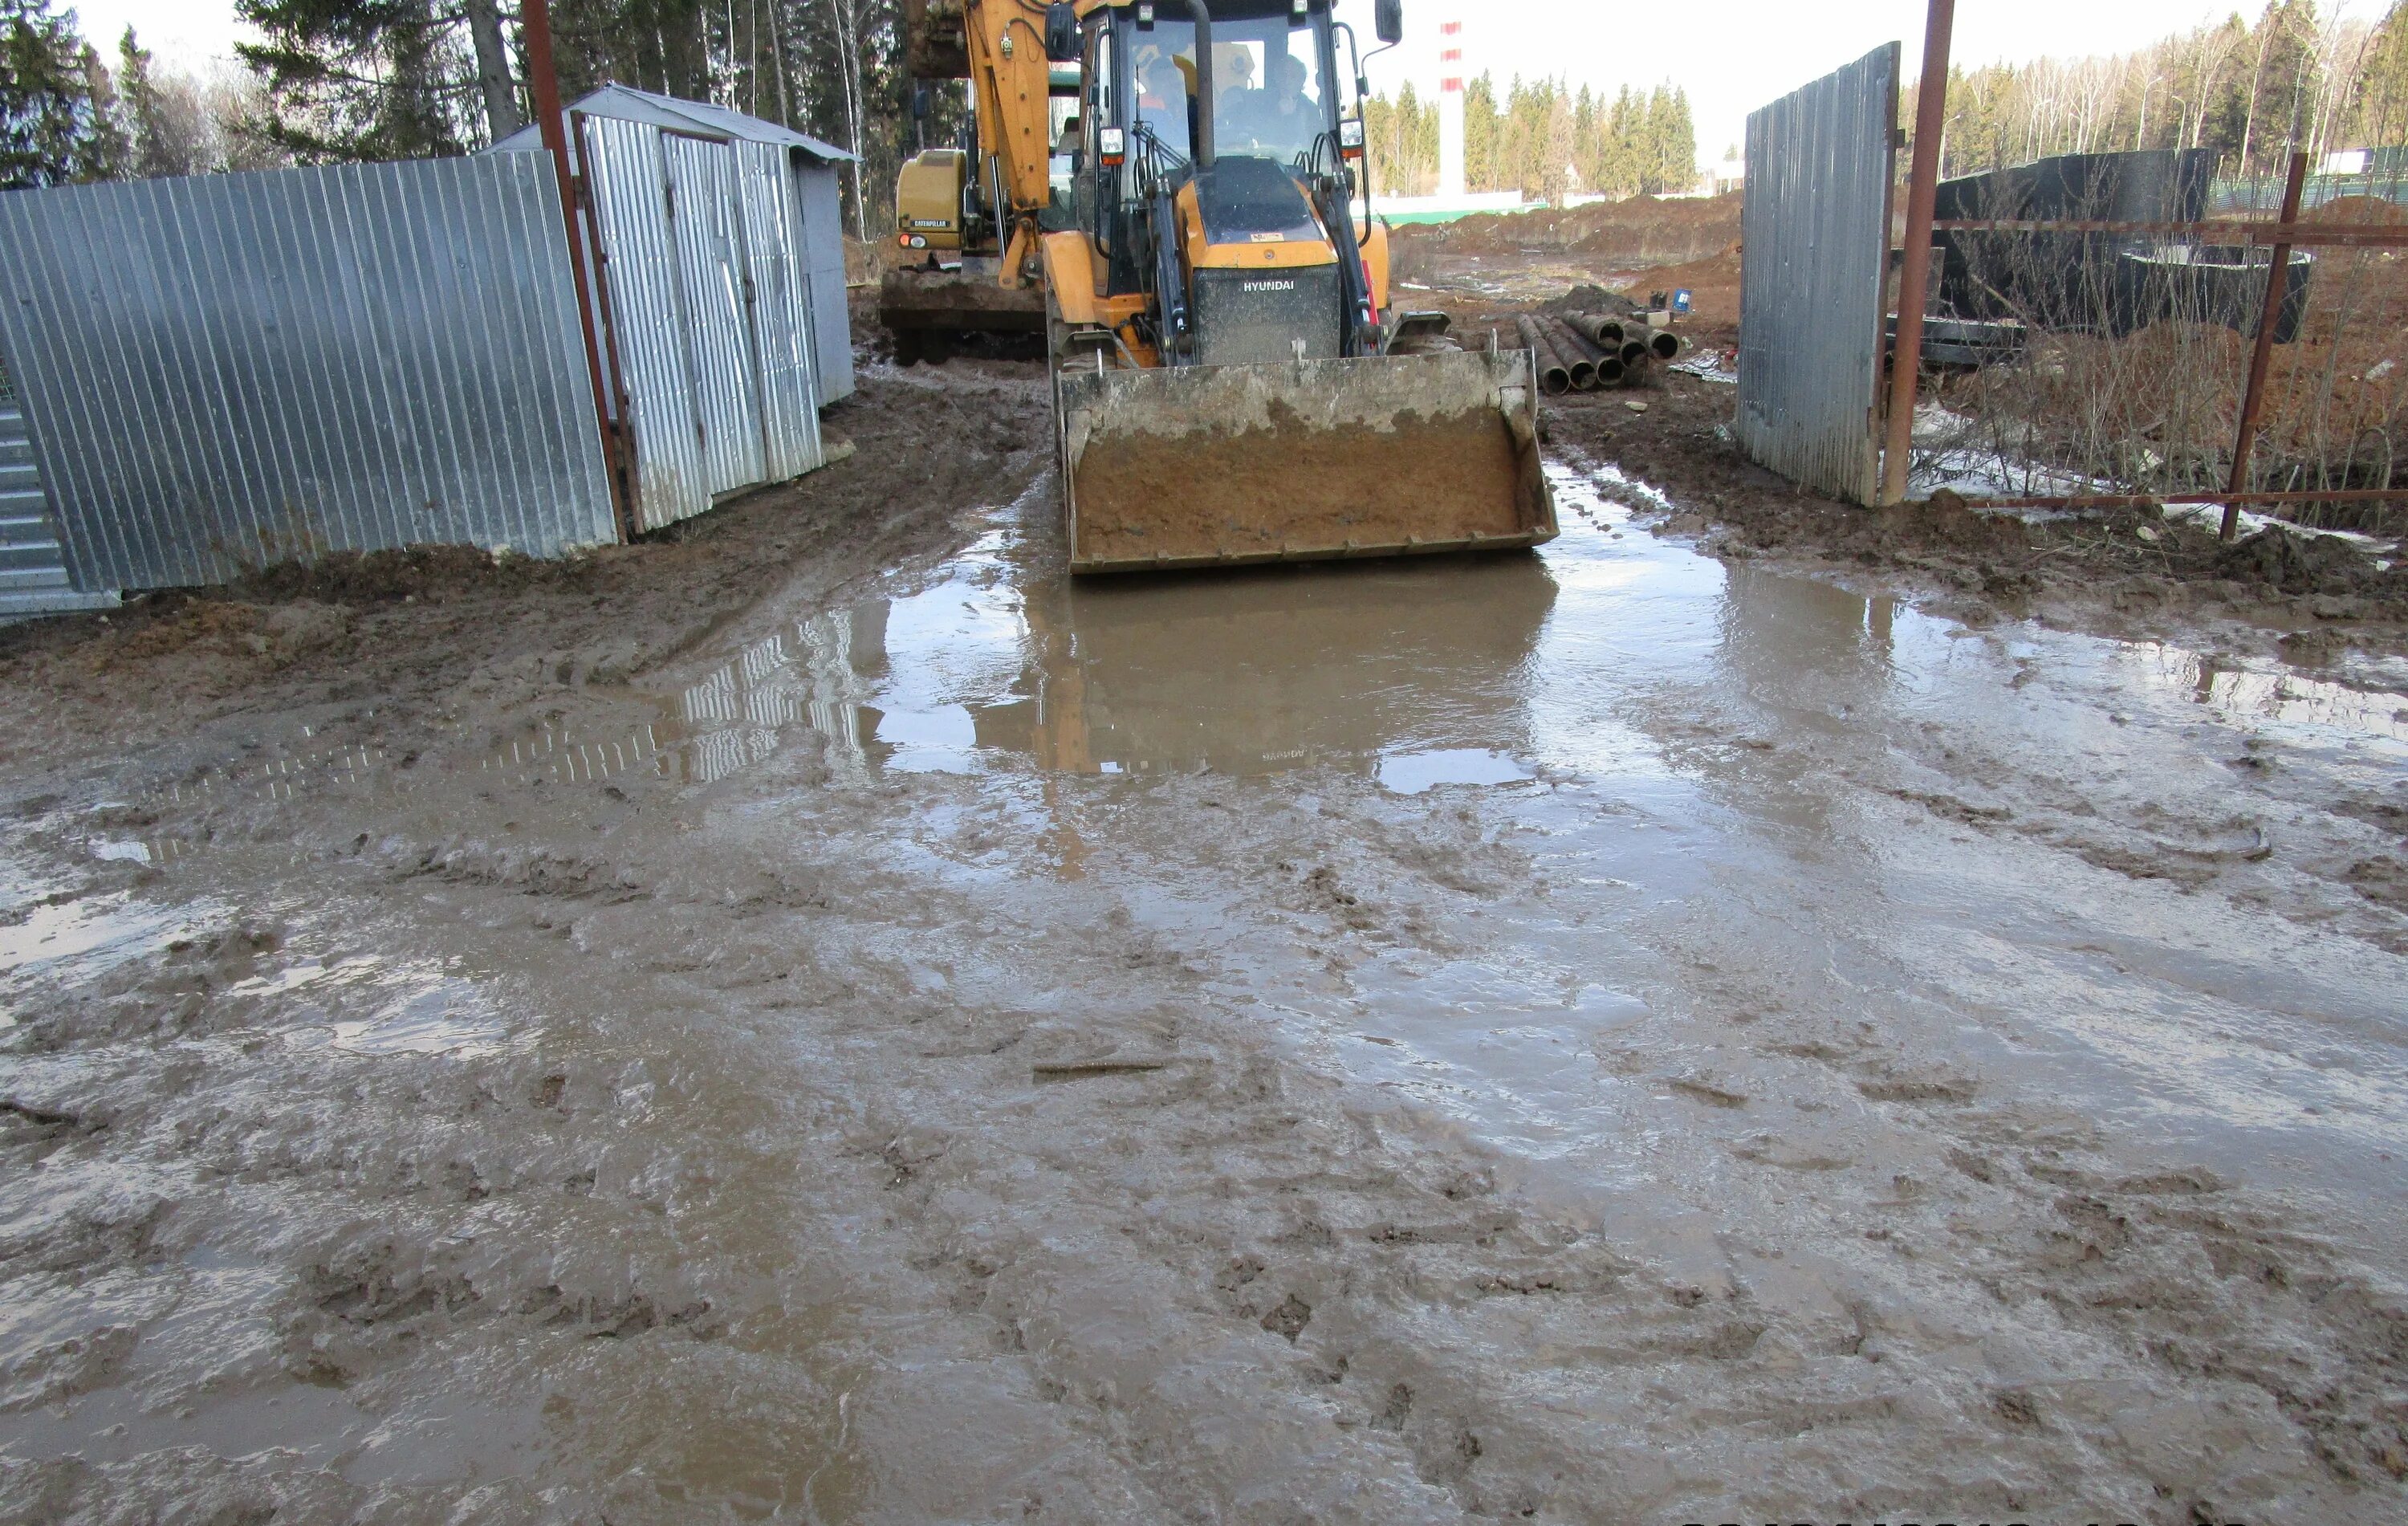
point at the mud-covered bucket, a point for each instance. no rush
(1224, 464)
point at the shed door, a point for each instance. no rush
(718, 305)
(782, 309)
(626, 173)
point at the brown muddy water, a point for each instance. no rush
(1601, 1035)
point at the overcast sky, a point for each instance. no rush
(1732, 55)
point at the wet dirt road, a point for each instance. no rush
(1600, 1036)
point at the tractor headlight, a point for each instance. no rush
(1350, 137)
(1112, 145)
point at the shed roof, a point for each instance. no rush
(629, 104)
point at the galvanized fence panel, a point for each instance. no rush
(229, 370)
(702, 177)
(781, 309)
(32, 567)
(627, 177)
(1820, 162)
(820, 214)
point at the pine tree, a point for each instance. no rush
(1676, 139)
(1480, 169)
(2274, 114)
(353, 80)
(45, 98)
(105, 150)
(2381, 91)
(166, 123)
(1402, 139)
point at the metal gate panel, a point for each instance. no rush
(726, 375)
(1820, 162)
(627, 178)
(228, 370)
(781, 307)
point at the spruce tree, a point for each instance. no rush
(1480, 135)
(2382, 113)
(353, 80)
(105, 152)
(45, 97)
(165, 122)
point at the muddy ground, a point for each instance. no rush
(1753, 1011)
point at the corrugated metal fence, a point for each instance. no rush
(1820, 162)
(33, 571)
(710, 316)
(231, 370)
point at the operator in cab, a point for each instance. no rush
(1162, 102)
(1282, 117)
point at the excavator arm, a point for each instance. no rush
(999, 46)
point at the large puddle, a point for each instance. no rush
(1718, 906)
(1838, 793)
(1415, 673)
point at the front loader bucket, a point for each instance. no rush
(1216, 465)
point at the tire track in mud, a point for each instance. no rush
(726, 1170)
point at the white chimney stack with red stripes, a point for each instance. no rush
(1450, 102)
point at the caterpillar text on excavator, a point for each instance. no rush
(1231, 381)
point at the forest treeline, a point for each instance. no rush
(331, 81)
(1542, 139)
(335, 80)
(2253, 91)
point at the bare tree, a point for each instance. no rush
(502, 116)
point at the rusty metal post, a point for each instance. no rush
(535, 26)
(1915, 272)
(2262, 358)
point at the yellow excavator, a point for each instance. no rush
(1231, 383)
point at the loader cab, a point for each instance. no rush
(1279, 89)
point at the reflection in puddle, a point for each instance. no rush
(280, 777)
(1243, 673)
(375, 1006)
(1409, 773)
(35, 938)
(2269, 694)
(1415, 672)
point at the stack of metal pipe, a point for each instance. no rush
(1584, 351)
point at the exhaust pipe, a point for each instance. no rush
(1555, 377)
(1205, 102)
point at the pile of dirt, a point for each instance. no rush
(1642, 230)
(2296, 563)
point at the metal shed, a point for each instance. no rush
(718, 247)
(221, 372)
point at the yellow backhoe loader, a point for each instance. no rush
(1231, 383)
